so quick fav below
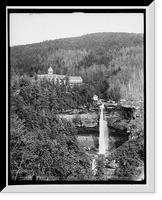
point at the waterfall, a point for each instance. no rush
(103, 133)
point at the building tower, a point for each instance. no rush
(50, 71)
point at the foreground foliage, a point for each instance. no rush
(41, 144)
(130, 156)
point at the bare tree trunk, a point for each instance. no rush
(18, 169)
(134, 72)
(129, 85)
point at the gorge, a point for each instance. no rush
(102, 130)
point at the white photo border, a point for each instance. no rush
(149, 187)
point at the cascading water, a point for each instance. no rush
(103, 133)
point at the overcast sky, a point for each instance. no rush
(33, 28)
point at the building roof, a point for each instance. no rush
(75, 78)
(42, 75)
(59, 76)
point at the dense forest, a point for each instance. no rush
(42, 144)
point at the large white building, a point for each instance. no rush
(72, 80)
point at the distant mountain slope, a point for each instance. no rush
(98, 40)
(97, 47)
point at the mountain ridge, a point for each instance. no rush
(76, 37)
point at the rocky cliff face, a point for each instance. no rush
(119, 118)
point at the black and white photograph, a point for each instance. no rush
(77, 97)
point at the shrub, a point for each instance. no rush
(114, 94)
(129, 156)
(100, 167)
(77, 121)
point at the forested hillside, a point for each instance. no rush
(111, 63)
